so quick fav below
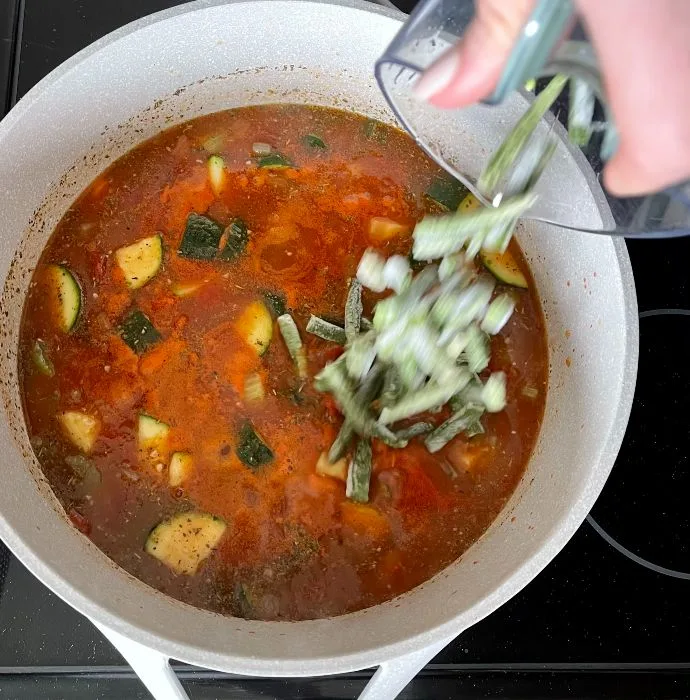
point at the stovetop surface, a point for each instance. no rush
(607, 618)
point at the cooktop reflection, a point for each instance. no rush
(643, 510)
(595, 624)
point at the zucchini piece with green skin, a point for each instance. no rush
(41, 360)
(236, 239)
(138, 332)
(201, 238)
(359, 473)
(274, 161)
(447, 191)
(504, 268)
(140, 261)
(275, 301)
(216, 173)
(185, 540)
(252, 450)
(151, 432)
(375, 131)
(81, 428)
(180, 468)
(67, 295)
(255, 325)
(315, 142)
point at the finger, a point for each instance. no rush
(469, 71)
(643, 49)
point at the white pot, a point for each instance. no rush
(208, 56)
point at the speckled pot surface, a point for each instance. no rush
(207, 56)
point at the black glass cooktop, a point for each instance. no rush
(607, 619)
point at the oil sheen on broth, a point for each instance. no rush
(142, 367)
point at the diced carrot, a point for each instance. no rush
(80, 521)
(391, 564)
(364, 520)
(382, 229)
(99, 188)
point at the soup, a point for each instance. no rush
(167, 411)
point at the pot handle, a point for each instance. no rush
(391, 677)
(152, 667)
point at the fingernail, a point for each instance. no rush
(438, 76)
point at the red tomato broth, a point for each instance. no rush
(294, 547)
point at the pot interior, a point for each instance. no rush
(205, 57)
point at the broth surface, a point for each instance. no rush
(294, 546)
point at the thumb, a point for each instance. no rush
(469, 71)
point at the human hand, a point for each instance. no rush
(643, 47)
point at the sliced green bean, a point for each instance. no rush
(437, 236)
(359, 473)
(580, 111)
(288, 329)
(353, 310)
(461, 420)
(326, 330)
(414, 431)
(341, 443)
(512, 146)
(392, 387)
(422, 400)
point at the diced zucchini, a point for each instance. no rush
(375, 131)
(181, 465)
(236, 239)
(213, 144)
(255, 325)
(504, 268)
(66, 294)
(253, 387)
(274, 161)
(336, 470)
(259, 148)
(152, 433)
(315, 142)
(201, 238)
(40, 358)
(216, 174)
(140, 261)
(251, 449)
(138, 332)
(382, 229)
(447, 191)
(469, 203)
(276, 302)
(86, 471)
(81, 428)
(186, 289)
(185, 540)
